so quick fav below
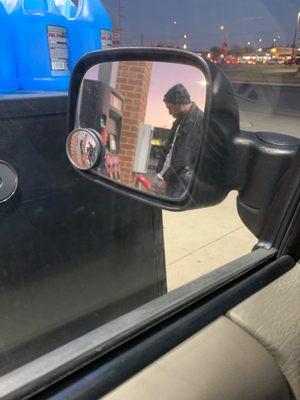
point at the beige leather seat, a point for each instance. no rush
(220, 362)
(272, 317)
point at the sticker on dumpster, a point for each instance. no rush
(58, 47)
(106, 39)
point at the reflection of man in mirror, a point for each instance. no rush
(90, 151)
(179, 155)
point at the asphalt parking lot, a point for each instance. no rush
(199, 241)
(263, 73)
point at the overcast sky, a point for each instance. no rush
(243, 20)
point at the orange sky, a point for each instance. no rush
(164, 76)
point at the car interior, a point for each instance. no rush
(85, 311)
(252, 352)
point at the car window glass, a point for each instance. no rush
(75, 255)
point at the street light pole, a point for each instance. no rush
(295, 36)
(224, 47)
(278, 39)
(170, 31)
(185, 37)
(222, 28)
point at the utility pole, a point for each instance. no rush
(120, 17)
(295, 36)
(142, 39)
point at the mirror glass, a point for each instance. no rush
(83, 148)
(149, 118)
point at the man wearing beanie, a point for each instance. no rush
(179, 155)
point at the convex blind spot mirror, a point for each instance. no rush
(84, 149)
(140, 124)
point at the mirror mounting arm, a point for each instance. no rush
(260, 163)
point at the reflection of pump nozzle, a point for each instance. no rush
(141, 180)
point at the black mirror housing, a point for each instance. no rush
(211, 180)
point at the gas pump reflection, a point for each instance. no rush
(149, 118)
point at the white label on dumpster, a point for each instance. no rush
(106, 39)
(58, 48)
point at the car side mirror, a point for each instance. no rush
(162, 126)
(154, 124)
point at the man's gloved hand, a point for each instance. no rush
(159, 185)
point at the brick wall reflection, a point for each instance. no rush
(133, 83)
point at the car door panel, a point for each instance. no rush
(61, 252)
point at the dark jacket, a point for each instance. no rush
(185, 151)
